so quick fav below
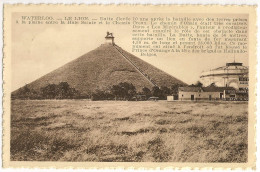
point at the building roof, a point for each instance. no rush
(232, 66)
(216, 89)
(190, 89)
(211, 88)
(230, 69)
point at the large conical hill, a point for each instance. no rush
(104, 67)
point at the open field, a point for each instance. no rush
(82, 130)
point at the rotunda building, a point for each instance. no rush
(232, 75)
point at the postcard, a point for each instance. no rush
(129, 86)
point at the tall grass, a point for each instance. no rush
(68, 130)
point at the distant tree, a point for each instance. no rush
(63, 90)
(128, 90)
(97, 95)
(175, 88)
(156, 91)
(60, 91)
(116, 91)
(165, 91)
(162, 92)
(73, 94)
(198, 84)
(213, 84)
(49, 91)
(25, 93)
(102, 95)
(146, 91)
(108, 95)
(123, 91)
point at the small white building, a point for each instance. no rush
(206, 93)
(172, 98)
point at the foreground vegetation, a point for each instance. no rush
(81, 130)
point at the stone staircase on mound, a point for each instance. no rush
(136, 67)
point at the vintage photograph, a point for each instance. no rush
(117, 86)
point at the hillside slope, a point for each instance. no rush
(160, 77)
(102, 68)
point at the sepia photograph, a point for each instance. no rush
(123, 86)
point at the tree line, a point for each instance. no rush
(51, 91)
(121, 91)
(127, 91)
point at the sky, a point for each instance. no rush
(40, 49)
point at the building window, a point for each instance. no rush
(182, 95)
(199, 95)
